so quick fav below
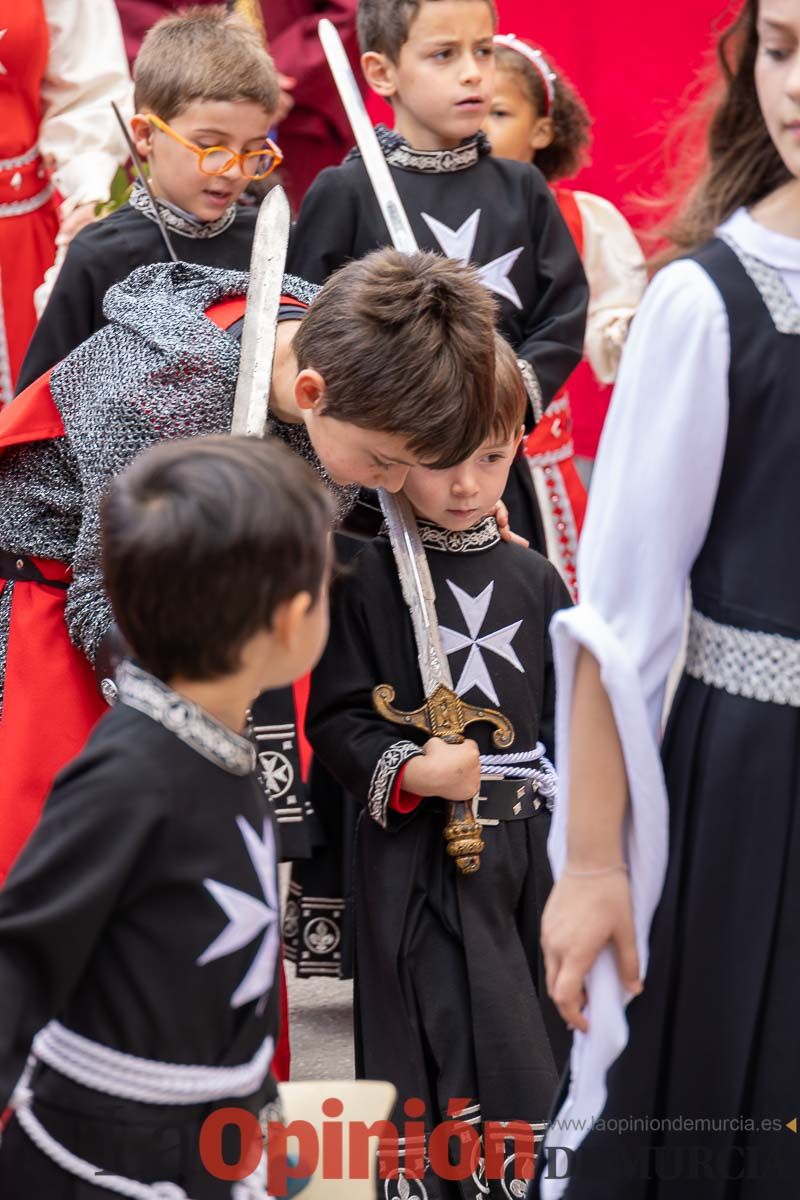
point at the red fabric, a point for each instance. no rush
(31, 417)
(565, 199)
(632, 64)
(551, 436)
(282, 1059)
(401, 801)
(302, 688)
(27, 241)
(36, 740)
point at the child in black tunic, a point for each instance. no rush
(206, 94)
(139, 930)
(449, 983)
(433, 62)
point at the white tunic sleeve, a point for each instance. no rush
(650, 506)
(615, 269)
(86, 70)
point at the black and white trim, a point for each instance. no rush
(176, 221)
(398, 153)
(781, 304)
(460, 541)
(186, 720)
(384, 775)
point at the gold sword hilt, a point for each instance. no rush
(445, 715)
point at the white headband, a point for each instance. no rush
(536, 59)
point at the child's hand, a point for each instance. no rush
(506, 532)
(450, 771)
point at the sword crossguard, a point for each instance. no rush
(444, 715)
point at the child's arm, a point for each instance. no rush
(556, 323)
(61, 893)
(370, 757)
(324, 234)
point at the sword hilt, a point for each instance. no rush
(445, 715)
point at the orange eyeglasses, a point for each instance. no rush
(216, 160)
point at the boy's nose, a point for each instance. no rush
(465, 484)
(470, 68)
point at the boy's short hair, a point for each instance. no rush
(203, 54)
(405, 345)
(383, 25)
(202, 541)
(511, 399)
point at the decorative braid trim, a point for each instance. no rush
(398, 153)
(384, 775)
(782, 307)
(532, 387)
(175, 221)
(744, 662)
(20, 208)
(460, 541)
(187, 721)
(22, 160)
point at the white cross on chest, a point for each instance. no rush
(475, 672)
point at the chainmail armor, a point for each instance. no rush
(160, 370)
(5, 623)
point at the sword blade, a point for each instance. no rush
(380, 176)
(142, 174)
(409, 554)
(267, 263)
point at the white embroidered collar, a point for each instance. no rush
(398, 153)
(460, 541)
(186, 720)
(176, 220)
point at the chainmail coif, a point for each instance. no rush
(160, 370)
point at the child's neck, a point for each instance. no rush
(780, 210)
(420, 137)
(226, 700)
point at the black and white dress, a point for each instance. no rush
(697, 481)
(450, 997)
(142, 915)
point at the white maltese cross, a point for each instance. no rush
(248, 916)
(459, 245)
(475, 672)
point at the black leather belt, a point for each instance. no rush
(21, 569)
(507, 800)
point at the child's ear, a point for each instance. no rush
(379, 73)
(309, 389)
(142, 134)
(542, 133)
(288, 621)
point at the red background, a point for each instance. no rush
(633, 61)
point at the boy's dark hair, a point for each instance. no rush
(383, 25)
(572, 124)
(511, 399)
(203, 54)
(405, 345)
(202, 540)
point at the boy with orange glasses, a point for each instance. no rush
(206, 94)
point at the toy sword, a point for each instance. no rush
(259, 334)
(142, 174)
(444, 714)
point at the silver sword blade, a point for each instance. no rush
(409, 554)
(267, 263)
(142, 174)
(380, 176)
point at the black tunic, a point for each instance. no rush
(108, 923)
(105, 253)
(449, 985)
(494, 213)
(714, 1039)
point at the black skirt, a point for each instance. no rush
(701, 1097)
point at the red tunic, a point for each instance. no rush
(28, 218)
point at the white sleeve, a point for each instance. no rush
(86, 70)
(615, 269)
(650, 506)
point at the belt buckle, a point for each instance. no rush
(478, 797)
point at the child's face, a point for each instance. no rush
(457, 497)
(240, 125)
(513, 124)
(351, 454)
(777, 76)
(441, 85)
